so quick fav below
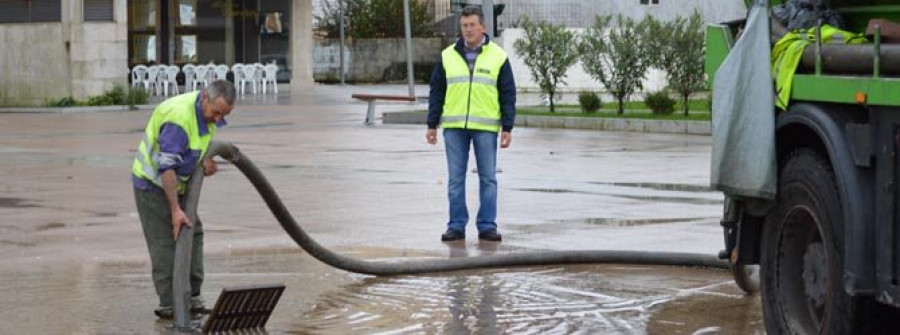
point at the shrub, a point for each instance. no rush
(63, 102)
(117, 95)
(99, 100)
(660, 102)
(137, 96)
(589, 101)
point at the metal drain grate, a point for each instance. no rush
(243, 308)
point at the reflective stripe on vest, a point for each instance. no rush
(180, 111)
(472, 100)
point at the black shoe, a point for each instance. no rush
(165, 313)
(453, 235)
(200, 310)
(492, 235)
(197, 306)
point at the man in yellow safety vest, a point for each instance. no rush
(175, 140)
(473, 97)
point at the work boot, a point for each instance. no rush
(453, 235)
(197, 306)
(492, 236)
(165, 313)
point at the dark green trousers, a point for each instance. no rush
(156, 220)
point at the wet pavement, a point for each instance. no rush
(73, 258)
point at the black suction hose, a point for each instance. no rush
(233, 155)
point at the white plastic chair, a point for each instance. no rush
(260, 69)
(153, 77)
(249, 76)
(270, 74)
(189, 71)
(238, 70)
(139, 76)
(221, 72)
(170, 78)
(202, 76)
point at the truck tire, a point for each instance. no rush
(802, 252)
(746, 277)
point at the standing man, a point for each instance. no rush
(473, 96)
(175, 140)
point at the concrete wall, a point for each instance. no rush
(99, 52)
(34, 63)
(46, 61)
(374, 60)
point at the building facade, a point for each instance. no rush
(79, 48)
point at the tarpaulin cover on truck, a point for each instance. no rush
(743, 115)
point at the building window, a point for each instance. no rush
(98, 10)
(18, 11)
(649, 2)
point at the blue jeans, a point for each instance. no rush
(457, 142)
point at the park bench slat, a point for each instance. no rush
(372, 98)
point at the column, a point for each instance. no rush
(301, 46)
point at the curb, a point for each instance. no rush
(80, 109)
(592, 123)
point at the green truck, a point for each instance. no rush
(812, 195)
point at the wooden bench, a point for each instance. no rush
(371, 98)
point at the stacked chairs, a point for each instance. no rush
(238, 70)
(249, 76)
(270, 74)
(221, 72)
(190, 75)
(152, 78)
(202, 76)
(139, 76)
(169, 75)
(157, 79)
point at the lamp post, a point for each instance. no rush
(409, 53)
(341, 25)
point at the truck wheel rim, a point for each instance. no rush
(805, 270)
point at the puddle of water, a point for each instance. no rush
(15, 203)
(663, 187)
(52, 225)
(632, 196)
(17, 243)
(375, 171)
(567, 300)
(620, 222)
(260, 125)
(118, 297)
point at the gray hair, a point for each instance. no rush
(221, 89)
(472, 10)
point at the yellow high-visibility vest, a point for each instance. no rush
(787, 52)
(472, 99)
(182, 112)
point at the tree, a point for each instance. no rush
(681, 44)
(548, 50)
(616, 56)
(375, 18)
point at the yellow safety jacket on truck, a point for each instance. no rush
(788, 50)
(472, 99)
(180, 111)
